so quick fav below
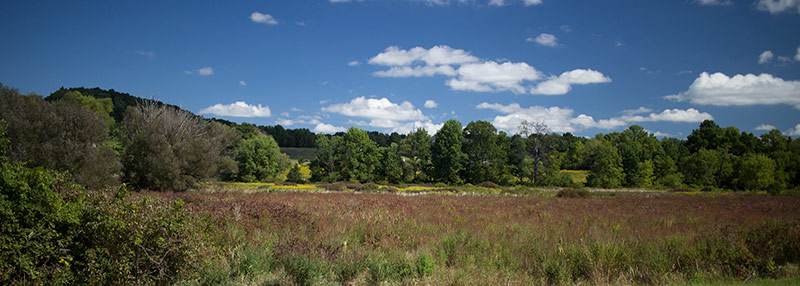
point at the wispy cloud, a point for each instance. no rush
(149, 54)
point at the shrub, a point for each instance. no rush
(425, 265)
(489, 185)
(573, 193)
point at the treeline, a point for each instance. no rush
(157, 146)
(711, 157)
(151, 146)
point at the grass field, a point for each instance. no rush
(314, 238)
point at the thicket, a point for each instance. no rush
(53, 232)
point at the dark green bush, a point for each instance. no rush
(573, 193)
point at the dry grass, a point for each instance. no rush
(495, 239)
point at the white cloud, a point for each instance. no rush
(797, 56)
(793, 132)
(263, 18)
(740, 90)
(532, 2)
(784, 59)
(327, 128)
(438, 55)
(497, 3)
(300, 23)
(284, 122)
(639, 110)
(285, 114)
(409, 127)
(671, 115)
(473, 74)
(353, 63)
(545, 39)
(242, 83)
(149, 54)
(237, 109)
(560, 119)
(563, 83)
(765, 57)
(491, 76)
(619, 44)
(765, 127)
(295, 109)
(779, 6)
(205, 71)
(418, 71)
(658, 133)
(431, 104)
(566, 28)
(714, 2)
(377, 109)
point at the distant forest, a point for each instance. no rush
(104, 137)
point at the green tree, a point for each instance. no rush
(100, 106)
(416, 148)
(485, 156)
(326, 167)
(448, 159)
(59, 136)
(606, 167)
(171, 149)
(294, 175)
(260, 159)
(754, 172)
(360, 156)
(392, 165)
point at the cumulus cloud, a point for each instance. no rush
(438, 55)
(639, 110)
(563, 83)
(372, 108)
(714, 2)
(793, 132)
(263, 18)
(431, 104)
(765, 127)
(418, 71)
(353, 63)
(765, 57)
(204, 71)
(797, 56)
(545, 39)
(779, 6)
(327, 128)
(740, 90)
(237, 109)
(560, 119)
(473, 74)
(492, 76)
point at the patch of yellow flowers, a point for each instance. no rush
(64, 261)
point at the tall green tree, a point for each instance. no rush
(416, 148)
(606, 167)
(392, 164)
(754, 172)
(360, 157)
(448, 159)
(485, 157)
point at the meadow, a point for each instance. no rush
(310, 235)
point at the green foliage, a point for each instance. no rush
(259, 159)
(294, 175)
(447, 157)
(607, 168)
(416, 148)
(100, 106)
(392, 165)
(755, 172)
(361, 156)
(60, 136)
(171, 149)
(573, 193)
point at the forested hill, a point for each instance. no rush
(120, 100)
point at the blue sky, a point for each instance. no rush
(584, 67)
